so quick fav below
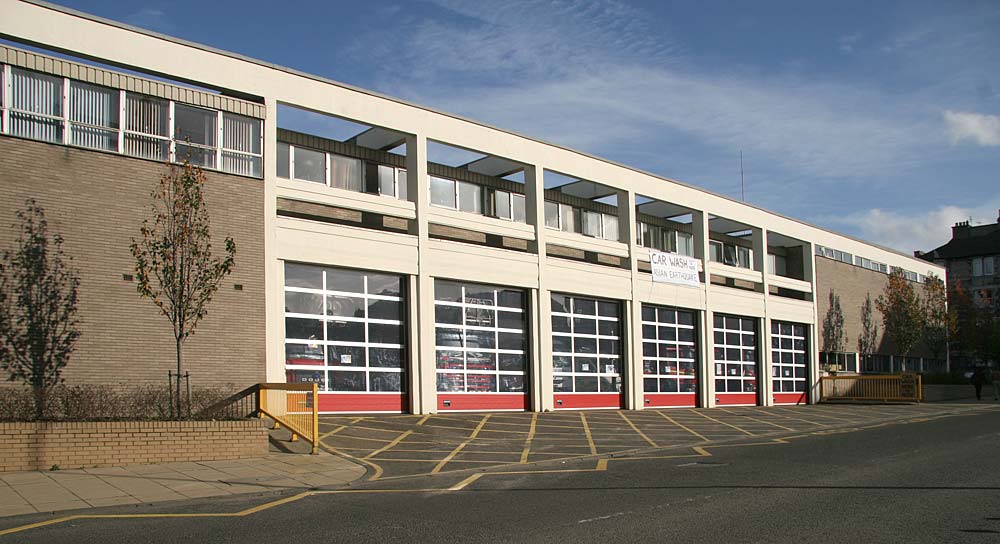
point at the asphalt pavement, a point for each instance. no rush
(925, 477)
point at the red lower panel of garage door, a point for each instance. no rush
(736, 399)
(790, 398)
(668, 400)
(482, 401)
(362, 402)
(565, 401)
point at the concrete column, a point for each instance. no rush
(632, 318)
(274, 271)
(706, 355)
(812, 371)
(541, 320)
(423, 378)
(760, 263)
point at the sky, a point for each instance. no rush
(880, 120)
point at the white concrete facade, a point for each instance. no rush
(422, 258)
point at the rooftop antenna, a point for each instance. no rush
(743, 189)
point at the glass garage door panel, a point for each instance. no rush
(344, 329)
(480, 338)
(586, 345)
(669, 350)
(735, 355)
(788, 357)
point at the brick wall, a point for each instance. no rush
(97, 201)
(852, 283)
(40, 445)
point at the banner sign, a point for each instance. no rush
(674, 268)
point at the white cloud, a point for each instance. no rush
(916, 230)
(980, 128)
(846, 42)
(150, 18)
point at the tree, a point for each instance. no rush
(833, 325)
(940, 324)
(902, 315)
(978, 332)
(38, 296)
(868, 339)
(173, 259)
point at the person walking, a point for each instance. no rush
(995, 375)
(979, 379)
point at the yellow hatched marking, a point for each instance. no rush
(461, 485)
(586, 430)
(759, 420)
(744, 431)
(377, 469)
(685, 427)
(335, 431)
(423, 420)
(461, 446)
(531, 435)
(809, 421)
(636, 429)
(389, 445)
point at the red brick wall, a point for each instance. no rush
(40, 446)
(97, 202)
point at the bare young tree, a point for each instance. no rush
(173, 258)
(868, 339)
(833, 325)
(38, 296)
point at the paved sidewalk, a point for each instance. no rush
(50, 491)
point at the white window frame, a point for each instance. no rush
(784, 342)
(63, 119)
(742, 365)
(977, 267)
(597, 356)
(677, 344)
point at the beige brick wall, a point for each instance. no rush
(852, 283)
(97, 202)
(40, 446)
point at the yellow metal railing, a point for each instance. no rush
(888, 388)
(293, 405)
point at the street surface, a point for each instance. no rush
(931, 476)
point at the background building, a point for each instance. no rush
(397, 277)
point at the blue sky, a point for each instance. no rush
(877, 119)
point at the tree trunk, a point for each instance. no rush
(40, 402)
(178, 389)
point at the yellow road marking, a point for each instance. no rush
(636, 429)
(590, 438)
(758, 420)
(423, 420)
(461, 446)
(809, 421)
(461, 485)
(378, 470)
(335, 431)
(389, 445)
(531, 435)
(685, 427)
(723, 423)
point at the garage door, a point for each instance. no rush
(586, 348)
(735, 358)
(789, 368)
(669, 357)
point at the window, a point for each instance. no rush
(195, 135)
(832, 361)
(586, 345)
(610, 227)
(308, 165)
(93, 115)
(735, 354)
(520, 206)
(392, 181)
(282, 151)
(551, 215)
(443, 192)
(480, 337)
(685, 243)
(669, 350)
(569, 218)
(788, 357)
(68, 111)
(730, 254)
(469, 197)
(777, 264)
(982, 266)
(36, 107)
(146, 132)
(346, 173)
(241, 147)
(344, 329)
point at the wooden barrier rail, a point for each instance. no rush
(882, 388)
